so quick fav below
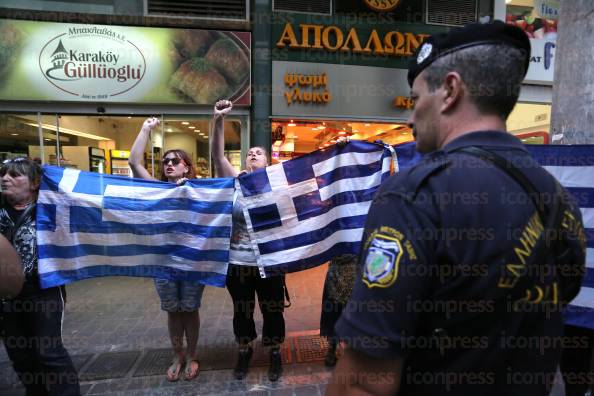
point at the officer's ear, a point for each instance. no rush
(453, 90)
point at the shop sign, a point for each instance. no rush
(78, 62)
(333, 38)
(403, 102)
(542, 62)
(304, 88)
(353, 92)
(548, 9)
(382, 5)
(105, 73)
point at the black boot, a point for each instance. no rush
(243, 363)
(276, 365)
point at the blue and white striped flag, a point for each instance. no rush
(303, 212)
(91, 225)
(573, 166)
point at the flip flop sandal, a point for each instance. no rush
(175, 368)
(188, 375)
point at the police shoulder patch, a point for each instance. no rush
(380, 268)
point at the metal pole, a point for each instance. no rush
(58, 138)
(41, 146)
(162, 134)
(152, 154)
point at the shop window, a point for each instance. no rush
(18, 133)
(291, 138)
(538, 18)
(308, 6)
(191, 134)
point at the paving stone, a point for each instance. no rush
(309, 390)
(310, 348)
(79, 361)
(85, 388)
(110, 365)
(282, 392)
(123, 315)
(154, 362)
(143, 383)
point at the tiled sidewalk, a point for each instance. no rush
(121, 315)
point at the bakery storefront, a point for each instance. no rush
(332, 78)
(339, 75)
(76, 95)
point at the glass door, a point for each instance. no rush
(192, 134)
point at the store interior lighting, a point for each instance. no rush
(67, 131)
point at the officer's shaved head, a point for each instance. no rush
(493, 75)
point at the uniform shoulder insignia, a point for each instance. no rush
(381, 264)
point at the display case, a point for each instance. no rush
(148, 162)
(119, 163)
(90, 159)
(234, 157)
(202, 168)
(97, 160)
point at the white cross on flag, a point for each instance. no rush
(303, 212)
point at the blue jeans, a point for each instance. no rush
(32, 335)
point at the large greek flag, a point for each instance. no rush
(573, 166)
(303, 212)
(91, 225)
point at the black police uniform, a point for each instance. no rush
(455, 276)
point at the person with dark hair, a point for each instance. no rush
(462, 288)
(179, 298)
(31, 321)
(243, 276)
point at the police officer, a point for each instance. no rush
(468, 257)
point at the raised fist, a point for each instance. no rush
(222, 107)
(150, 123)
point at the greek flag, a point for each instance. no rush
(573, 166)
(91, 225)
(303, 212)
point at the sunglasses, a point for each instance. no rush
(174, 161)
(10, 161)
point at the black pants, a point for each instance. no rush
(576, 360)
(32, 335)
(243, 282)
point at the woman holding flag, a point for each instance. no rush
(243, 277)
(180, 299)
(31, 321)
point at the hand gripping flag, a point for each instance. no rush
(90, 225)
(303, 212)
(573, 166)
